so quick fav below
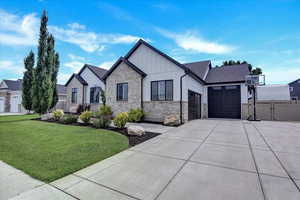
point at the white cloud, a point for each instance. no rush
(62, 78)
(14, 67)
(90, 41)
(18, 30)
(75, 57)
(74, 65)
(191, 41)
(107, 64)
(76, 25)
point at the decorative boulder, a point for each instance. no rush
(135, 130)
(47, 116)
(171, 120)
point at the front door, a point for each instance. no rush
(194, 105)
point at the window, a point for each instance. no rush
(95, 94)
(231, 87)
(162, 90)
(291, 89)
(217, 88)
(74, 95)
(122, 92)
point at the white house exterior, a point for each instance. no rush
(85, 88)
(148, 79)
(280, 92)
(11, 96)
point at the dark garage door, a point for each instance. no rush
(194, 105)
(224, 102)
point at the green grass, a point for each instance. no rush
(48, 151)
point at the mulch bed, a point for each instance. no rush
(133, 140)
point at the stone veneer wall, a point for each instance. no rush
(70, 107)
(204, 111)
(123, 74)
(244, 111)
(157, 110)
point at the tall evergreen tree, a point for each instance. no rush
(28, 82)
(40, 89)
(54, 80)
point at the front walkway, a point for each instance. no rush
(203, 159)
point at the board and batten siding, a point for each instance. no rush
(93, 81)
(157, 68)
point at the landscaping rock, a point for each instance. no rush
(135, 130)
(171, 120)
(47, 116)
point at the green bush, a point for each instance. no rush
(86, 116)
(58, 114)
(135, 115)
(121, 119)
(70, 119)
(102, 122)
(104, 111)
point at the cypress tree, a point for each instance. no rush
(28, 82)
(40, 103)
(54, 80)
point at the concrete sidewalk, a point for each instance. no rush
(203, 159)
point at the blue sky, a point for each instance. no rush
(266, 33)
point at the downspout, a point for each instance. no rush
(181, 77)
(142, 93)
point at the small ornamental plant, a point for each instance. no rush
(86, 116)
(135, 115)
(121, 119)
(70, 119)
(58, 114)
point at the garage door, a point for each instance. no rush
(14, 103)
(2, 104)
(224, 102)
(194, 105)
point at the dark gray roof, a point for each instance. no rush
(224, 74)
(99, 71)
(14, 85)
(199, 68)
(17, 85)
(61, 89)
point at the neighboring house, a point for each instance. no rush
(274, 92)
(295, 90)
(85, 88)
(11, 96)
(147, 78)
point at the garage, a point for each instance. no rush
(194, 105)
(14, 103)
(224, 102)
(2, 104)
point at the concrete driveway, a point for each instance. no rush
(203, 159)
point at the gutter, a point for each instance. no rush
(181, 78)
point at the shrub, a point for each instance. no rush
(135, 115)
(58, 114)
(102, 122)
(70, 119)
(86, 116)
(121, 119)
(104, 111)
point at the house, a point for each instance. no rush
(149, 79)
(85, 87)
(11, 96)
(275, 92)
(295, 89)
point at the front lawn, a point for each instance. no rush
(48, 151)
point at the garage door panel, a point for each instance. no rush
(224, 102)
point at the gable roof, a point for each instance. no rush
(98, 71)
(129, 64)
(187, 70)
(13, 85)
(79, 78)
(199, 68)
(227, 74)
(61, 89)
